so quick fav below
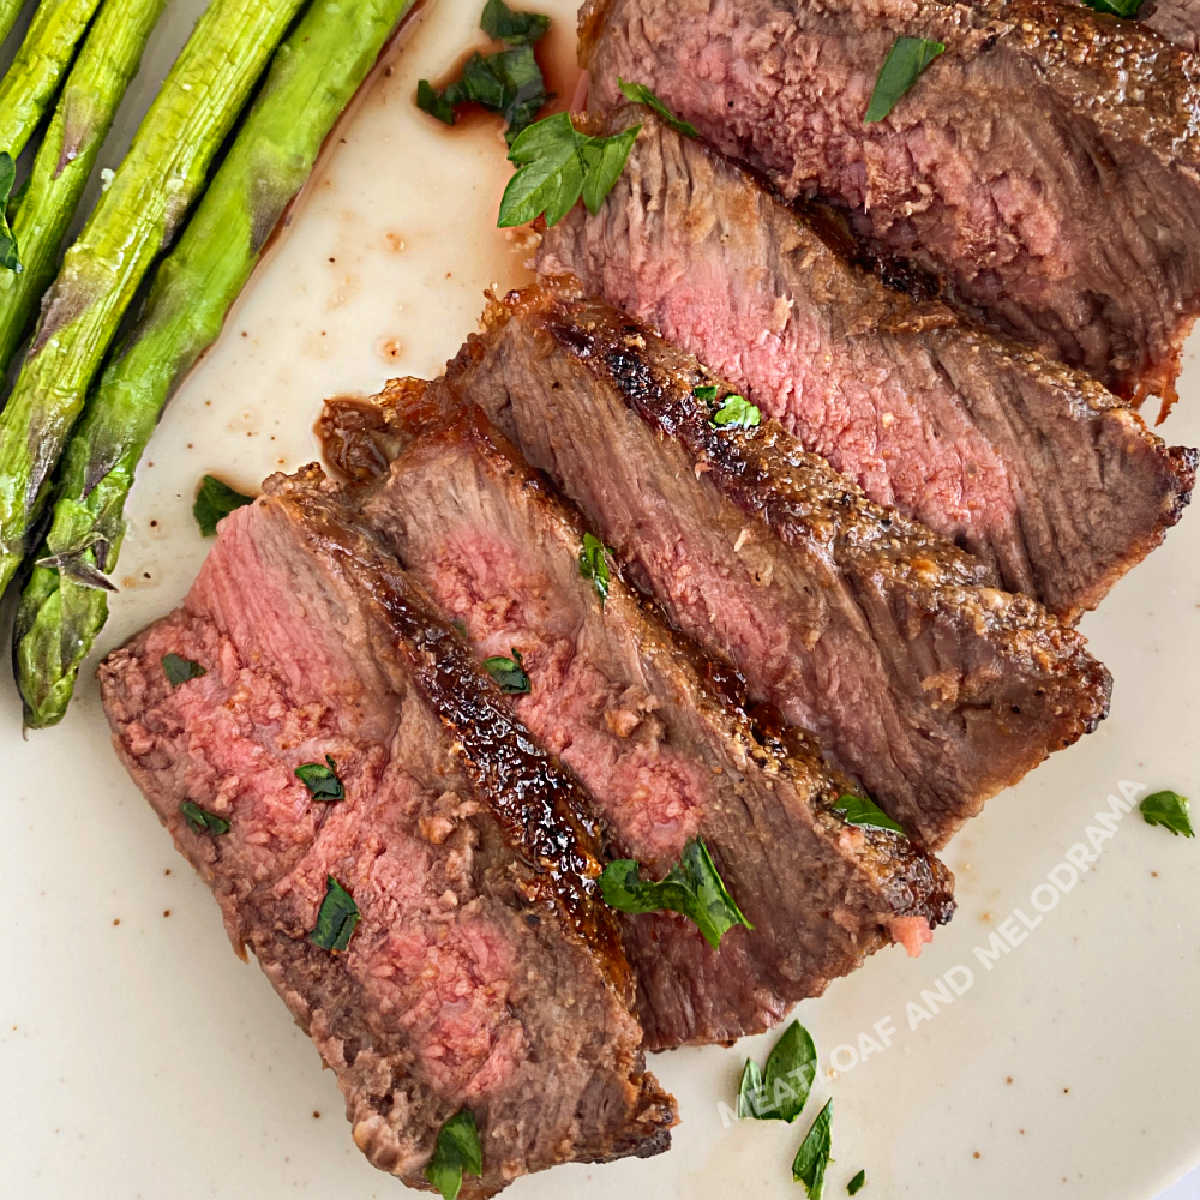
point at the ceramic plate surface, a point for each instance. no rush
(1043, 1046)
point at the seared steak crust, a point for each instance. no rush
(485, 970)
(1044, 168)
(1028, 464)
(918, 677)
(632, 708)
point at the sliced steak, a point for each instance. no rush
(667, 754)
(485, 972)
(918, 677)
(1044, 168)
(1028, 464)
(1177, 20)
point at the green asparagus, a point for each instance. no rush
(10, 10)
(140, 213)
(107, 62)
(313, 78)
(31, 82)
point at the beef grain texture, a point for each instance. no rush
(665, 751)
(917, 676)
(1044, 168)
(1028, 464)
(1176, 20)
(485, 971)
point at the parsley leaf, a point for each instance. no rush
(1168, 809)
(906, 61)
(509, 673)
(1118, 8)
(179, 670)
(639, 93)
(321, 780)
(736, 412)
(780, 1092)
(593, 565)
(855, 1184)
(858, 810)
(10, 259)
(215, 500)
(516, 28)
(692, 887)
(706, 394)
(336, 918)
(457, 1150)
(203, 821)
(509, 82)
(808, 1167)
(556, 164)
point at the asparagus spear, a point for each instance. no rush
(314, 75)
(10, 10)
(85, 111)
(137, 216)
(42, 60)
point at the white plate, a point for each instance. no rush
(142, 1059)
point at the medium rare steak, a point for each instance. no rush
(1044, 168)
(1028, 464)
(665, 752)
(485, 972)
(919, 678)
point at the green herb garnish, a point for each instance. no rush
(593, 565)
(736, 412)
(692, 887)
(336, 918)
(10, 259)
(858, 810)
(808, 1167)
(705, 394)
(905, 62)
(855, 1184)
(179, 670)
(509, 673)
(509, 82)
(780, 1091)
(1168, 809)
(639, 93)
(203, 821)
(215, 500)
(1117, 8)
(556, 165)
(321, 780)
(516, 28)
(457, 1150)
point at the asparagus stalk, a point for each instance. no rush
(137, 217)
(31, 82)
(107, 62)
(10, 10)
(314, 76)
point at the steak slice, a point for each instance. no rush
(1043, 169)
(485, 972)
(1028, 464)
(918, 677)
(665, 751)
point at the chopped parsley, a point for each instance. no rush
(321, 780)
(856, 1183)
(906, 61)
(736, 412)
(1168, 809)
(336, 918)
(509, 673)
(706, 394)
(858, 810)
(179, 670)
(692, 887)
(457, 1150)
(1117, 8)
(10, 258)
(516, 28)
(215, 500)
(639, 93)
(593, 565)
(203, 821)
(556, 165)
(780, 1091)
(808, 1167)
